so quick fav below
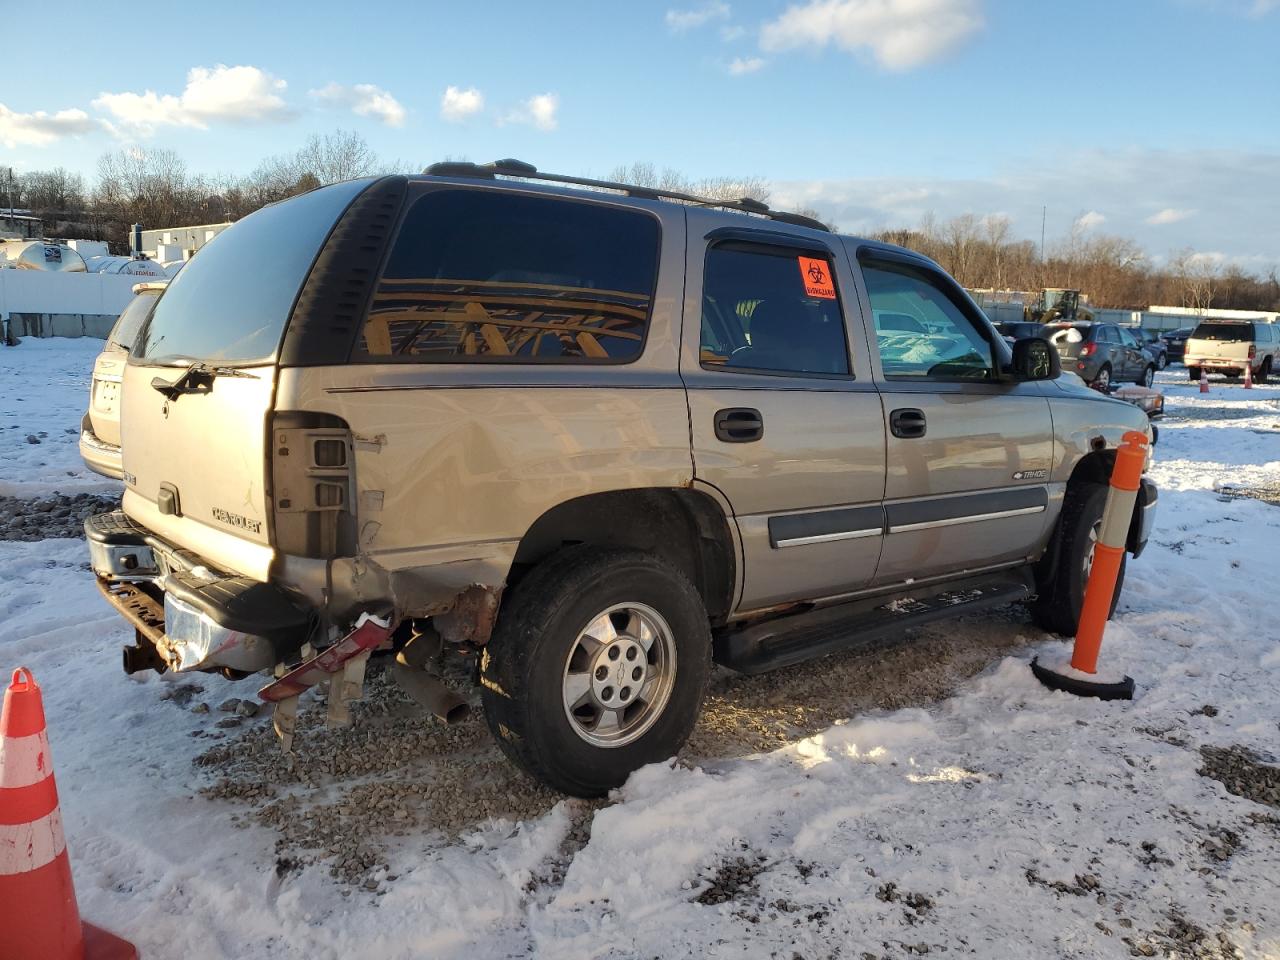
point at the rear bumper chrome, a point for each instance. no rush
(194, 618)
(98, 455)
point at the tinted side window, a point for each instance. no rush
(232, 301)
(487, 277)
(1127, 338)
(771, 309)
(921, 331)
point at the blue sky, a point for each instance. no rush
(1153, 119)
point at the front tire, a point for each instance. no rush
(1264, 371)
(1061, 592)
(1163, 361)
(1148, 377)
(598, 666)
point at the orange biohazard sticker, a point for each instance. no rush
(816, 275)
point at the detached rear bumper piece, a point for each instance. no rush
(187, 616)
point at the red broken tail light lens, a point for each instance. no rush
(1088, 350)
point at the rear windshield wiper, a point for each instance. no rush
(197, 378)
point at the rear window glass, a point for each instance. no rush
(134, 315)
(1223, 331)
(489, 277)
(232, 301)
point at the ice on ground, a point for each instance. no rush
(1006, 821)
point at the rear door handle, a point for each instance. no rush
(739, 425)
(907, 423)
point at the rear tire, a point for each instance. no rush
(1102, 381)
(1162, 361)
(1061, 593)
(1264, 371)
(1193, 373)
(1148, 377)
(554, 643)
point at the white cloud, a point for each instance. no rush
(40, 128)
(1168, 215)
(239, 94)
(364, 99)
(1260, 8)
(743, 65)
(457, 104)
(539, 111)
(1087, 221)
(681, 20)
(732, 32)
(899, 34)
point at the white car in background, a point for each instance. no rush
(100, 428)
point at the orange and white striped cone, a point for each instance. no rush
(1248, 374)
(39, 919)
(1204, 380)
(1080, 676)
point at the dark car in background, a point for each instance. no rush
(1176, 341)
(1151, 342)
(1102, 353)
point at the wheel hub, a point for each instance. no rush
(619, 675)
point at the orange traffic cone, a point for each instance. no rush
(1248, 374)
(39, 919)
(1204, 380)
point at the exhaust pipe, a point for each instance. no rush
(430, 692)
(139, 657)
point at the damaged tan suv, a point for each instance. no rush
(595, 436)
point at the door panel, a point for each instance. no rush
(960, 496)
(764, 332)
(822, 452)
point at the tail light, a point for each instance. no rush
(1252, 351)
(1088, 350)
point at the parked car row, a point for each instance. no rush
(1106, 353)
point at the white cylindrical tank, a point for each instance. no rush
(125, 265)
(39, 255)
(172, 267)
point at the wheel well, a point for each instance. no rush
(685, 528)
(1093, 467)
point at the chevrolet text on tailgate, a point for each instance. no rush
(593, 436)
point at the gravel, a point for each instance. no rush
(1243, 773)
(346, 796)
(55, 515)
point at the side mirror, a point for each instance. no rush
(1035, 358)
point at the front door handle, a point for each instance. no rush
(907, 423)
(739, 425)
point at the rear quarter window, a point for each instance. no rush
(478, 276)
(230, 304)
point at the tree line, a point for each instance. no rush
(155, 187)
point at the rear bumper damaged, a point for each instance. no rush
(191, 617)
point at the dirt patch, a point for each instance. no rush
(1243, 773)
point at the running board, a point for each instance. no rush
(786, 641)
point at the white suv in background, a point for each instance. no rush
(1225, 346)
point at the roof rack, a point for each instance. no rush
(527, 171)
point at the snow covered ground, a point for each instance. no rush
(1004, 821)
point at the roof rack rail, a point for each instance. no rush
(527, 171)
